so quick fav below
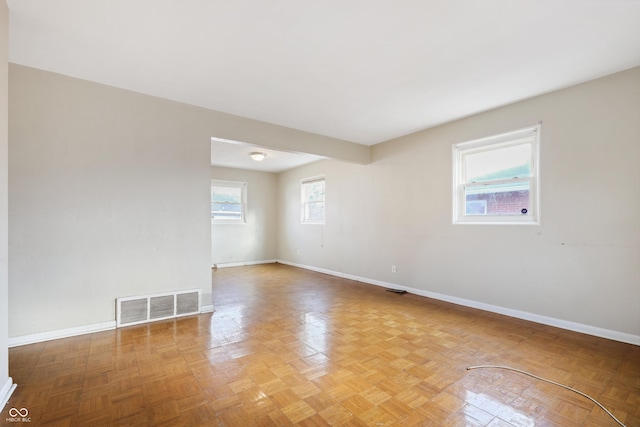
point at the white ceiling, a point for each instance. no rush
(365, 71)
(236, 154)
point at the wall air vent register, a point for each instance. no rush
(150, 308)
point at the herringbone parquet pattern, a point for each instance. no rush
(292, 347)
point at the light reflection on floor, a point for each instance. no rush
(498, 409)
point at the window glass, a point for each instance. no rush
(499, 163)
(313, 193)
(228, 201)
(497, 199)
(496, 179)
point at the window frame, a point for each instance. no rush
(304, 202)
(243, 203)
(526, 136)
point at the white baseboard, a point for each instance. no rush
(532, 317)
(6, 391)
(243, 263)
(545, 320)
(537, 318)
(60, 333)
(207, 309)
(72, 332)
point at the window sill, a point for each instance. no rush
(495, 222)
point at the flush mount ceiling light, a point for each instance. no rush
(258, 156)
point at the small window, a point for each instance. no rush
(313, 200)
(228, 202)
(496, 179)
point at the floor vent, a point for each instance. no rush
(149, 308)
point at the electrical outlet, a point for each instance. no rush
(393, 269)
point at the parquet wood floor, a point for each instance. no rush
(292, 347)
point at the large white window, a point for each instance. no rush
(496, 179)
(228, 202)
(313, 200)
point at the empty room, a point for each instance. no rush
(367, 213)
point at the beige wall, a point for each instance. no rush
(256, 239)
(581, 265)
(109, 196)
(5, 381)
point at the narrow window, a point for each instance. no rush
(313, 200)
(228, 202)
(496, 179)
